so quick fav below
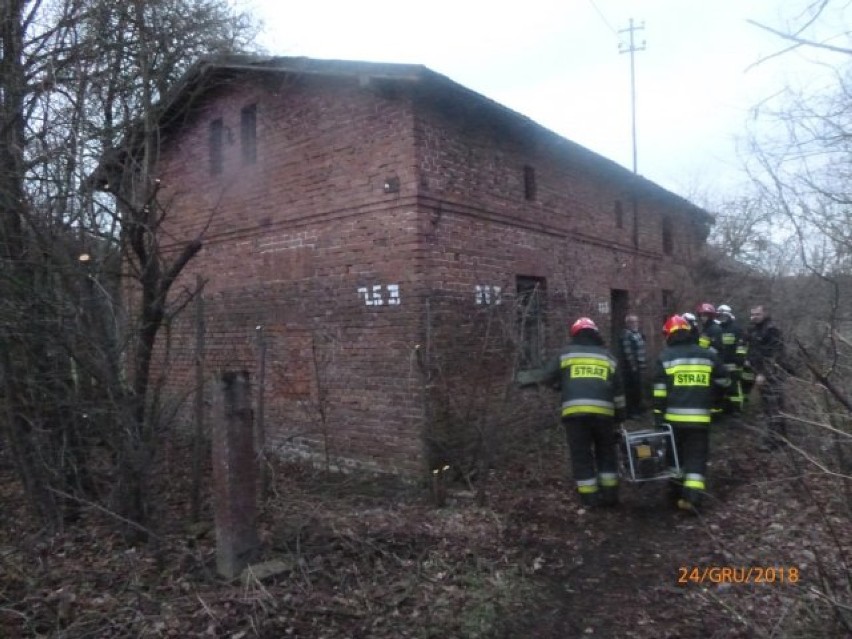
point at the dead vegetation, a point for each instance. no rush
(348, 556)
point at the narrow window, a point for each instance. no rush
(619, 305)
(529, 183)
(531, 324)
(248, 129)
(216, 139)
(667, 302)
(668, 244)
(619, 215)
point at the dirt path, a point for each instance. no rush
(620, 572)
(610, 573)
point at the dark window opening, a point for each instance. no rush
(619, 215)
(531, 321)
(529, 183)
(217, 131)
(668, 243)
(619, 305)
(667, 302)
(248, 130)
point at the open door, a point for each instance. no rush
(619, 304)
(531, 299)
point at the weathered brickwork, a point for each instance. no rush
(376, 244)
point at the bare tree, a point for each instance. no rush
(802, 204)
(83, 87)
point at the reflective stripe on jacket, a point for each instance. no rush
(733, 348)
(590, 382)
(687, 380)
(589, 379)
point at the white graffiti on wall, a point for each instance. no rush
(486, 294)
(380, 295)
(393, 294)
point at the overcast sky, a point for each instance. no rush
(558, 62)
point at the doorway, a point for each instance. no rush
(619, 304)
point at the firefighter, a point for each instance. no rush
(687, 379)
(733, 353)
(747, 375)
(711, 332)
(592, 403)
(694, 329)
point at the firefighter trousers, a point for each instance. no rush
(693, 446)
(735, 397)
(592, 445)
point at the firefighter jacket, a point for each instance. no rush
(590, 381)
(733, 347)
(711, 335)
(766, 349)
(688, 381)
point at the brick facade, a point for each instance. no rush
(384, 215)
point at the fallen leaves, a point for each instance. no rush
(346, 562)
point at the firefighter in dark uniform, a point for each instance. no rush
(592, 402)
(687, 379)
(708, 340)
(694, 329)
(711, 332)
(733, 351)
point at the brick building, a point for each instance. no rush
(403, 245)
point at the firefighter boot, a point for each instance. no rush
(608, 482)
(690, 500)
(590, 499)
(675, 490)
(686, 505)
(609, 496)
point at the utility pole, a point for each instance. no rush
(632, 47)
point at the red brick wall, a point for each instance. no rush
(296, 242)
(483, 230)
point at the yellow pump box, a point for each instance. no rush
(647, 455)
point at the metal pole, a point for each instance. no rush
(632, 48)
(633, 94)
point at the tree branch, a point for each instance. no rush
(799, 42)
(821, 378)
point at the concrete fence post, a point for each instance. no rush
(234, 472)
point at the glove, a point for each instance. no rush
(658, 420)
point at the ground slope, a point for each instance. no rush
(369, 558)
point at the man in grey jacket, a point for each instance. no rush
(633, 364)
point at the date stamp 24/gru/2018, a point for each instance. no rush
(737, 575)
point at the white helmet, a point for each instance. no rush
(724, 309)
(689, 317)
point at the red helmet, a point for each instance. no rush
(675, 323)
(705, 308)
(582, 324)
